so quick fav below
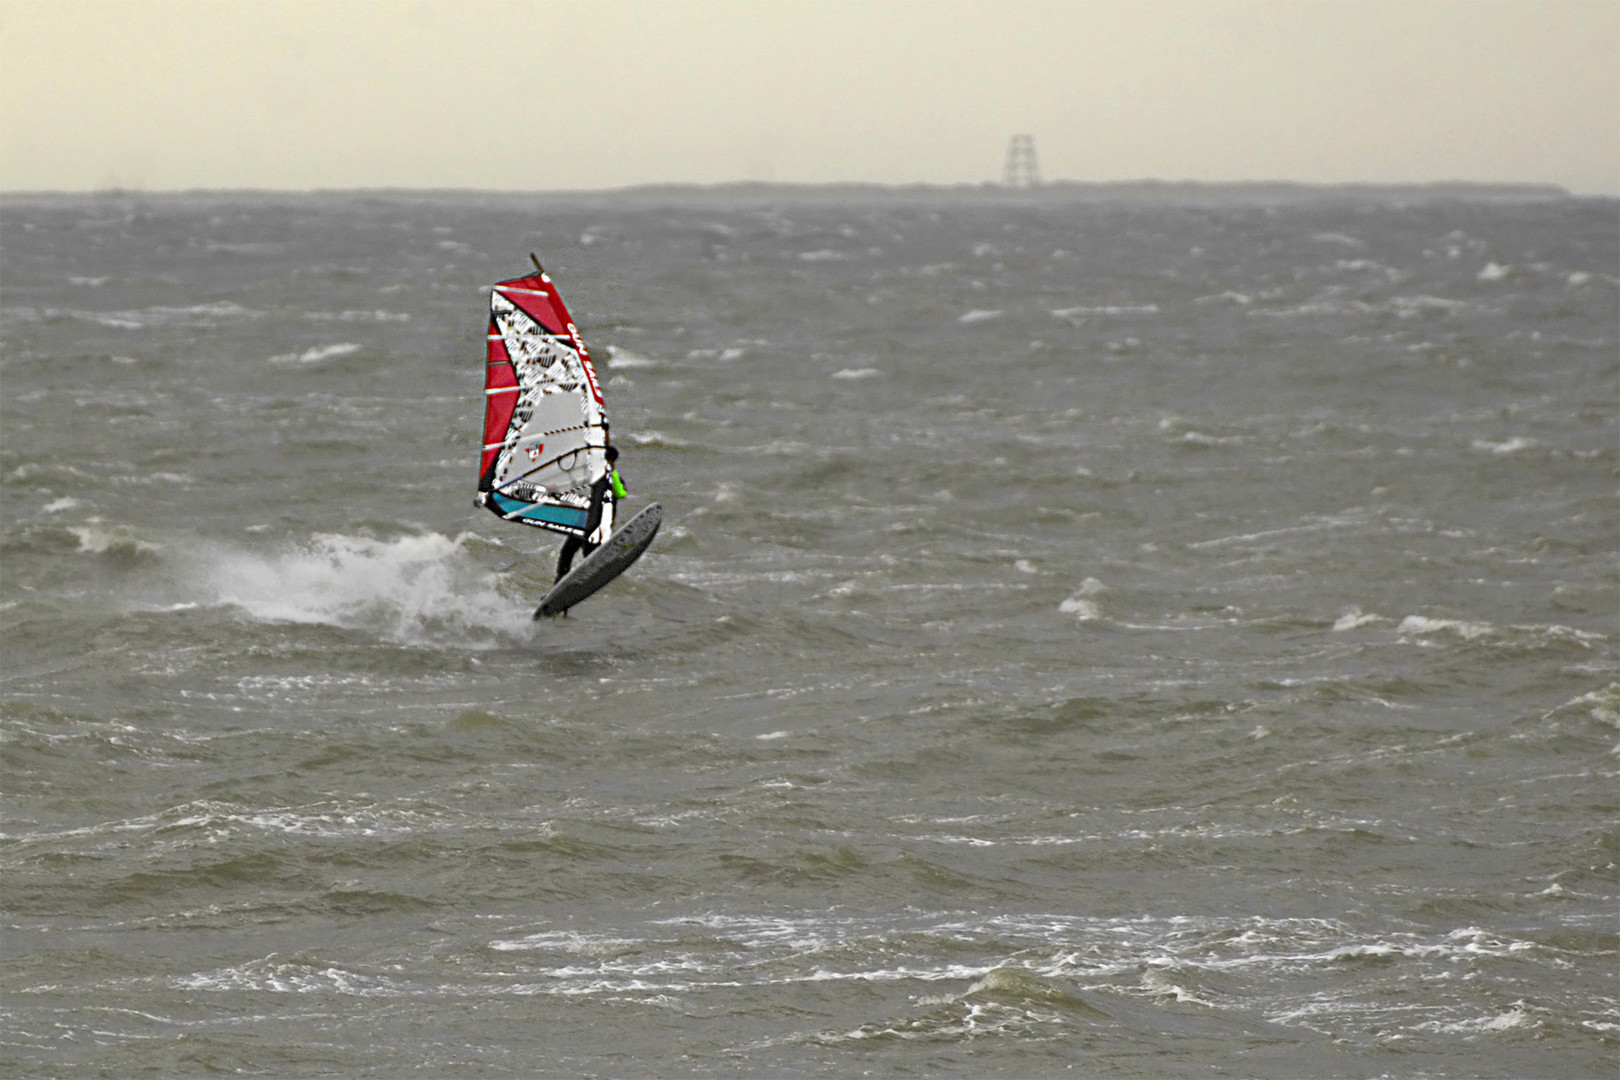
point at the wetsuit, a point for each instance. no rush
(609, 487)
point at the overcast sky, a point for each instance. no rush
(543, 95)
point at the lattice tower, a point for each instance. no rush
(1023, 167)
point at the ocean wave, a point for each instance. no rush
(1083, 603)
(194, 315)
(100, 539)
(425, 588)
(1071, 314)
(619, 357)
(1528, 636)
(317, 354)
(1332, 303)
(979, 315)
(1507, 446)
(376, 315)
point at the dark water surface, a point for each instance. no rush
(1087, 635)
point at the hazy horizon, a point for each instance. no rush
(1050, 187)
(542, 96)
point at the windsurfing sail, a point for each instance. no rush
(545, 425)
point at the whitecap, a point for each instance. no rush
(1509, 446)
(163, 315)
(1353, 618)
(318, 354)
(412, 588)
(1082, 602)
(377, 315)
(1198, 438)
(856, 373)
(100, 540)
(978, 315)
(619, 357)
(1516, 1017)
(1494, 271)
(1071, 313)
(1420, 624)
(1410, 307)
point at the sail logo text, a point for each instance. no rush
(585, 362)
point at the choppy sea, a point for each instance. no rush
(1156, 636)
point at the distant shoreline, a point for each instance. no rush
(1184, 192)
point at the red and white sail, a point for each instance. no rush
(545, 425)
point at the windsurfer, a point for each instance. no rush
(606, 491)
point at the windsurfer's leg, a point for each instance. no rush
(565, 557)
(577, 544)
(593, 517)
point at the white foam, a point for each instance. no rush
(194, 315)
(1229, 297)
(411, 588)
(1495, 271)
(317, 354)
(1082, 603)
(1071, 313)
(856, 373)
(1515, 1017)
(978, 315)
(355, 315)
(1604, 704)
(1509, 446)
(622, 358)
(1420, 624)
(95, 539)
(1353, 618)
(1198, 438)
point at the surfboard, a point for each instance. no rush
(604, 564)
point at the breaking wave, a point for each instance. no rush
(413, 589)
